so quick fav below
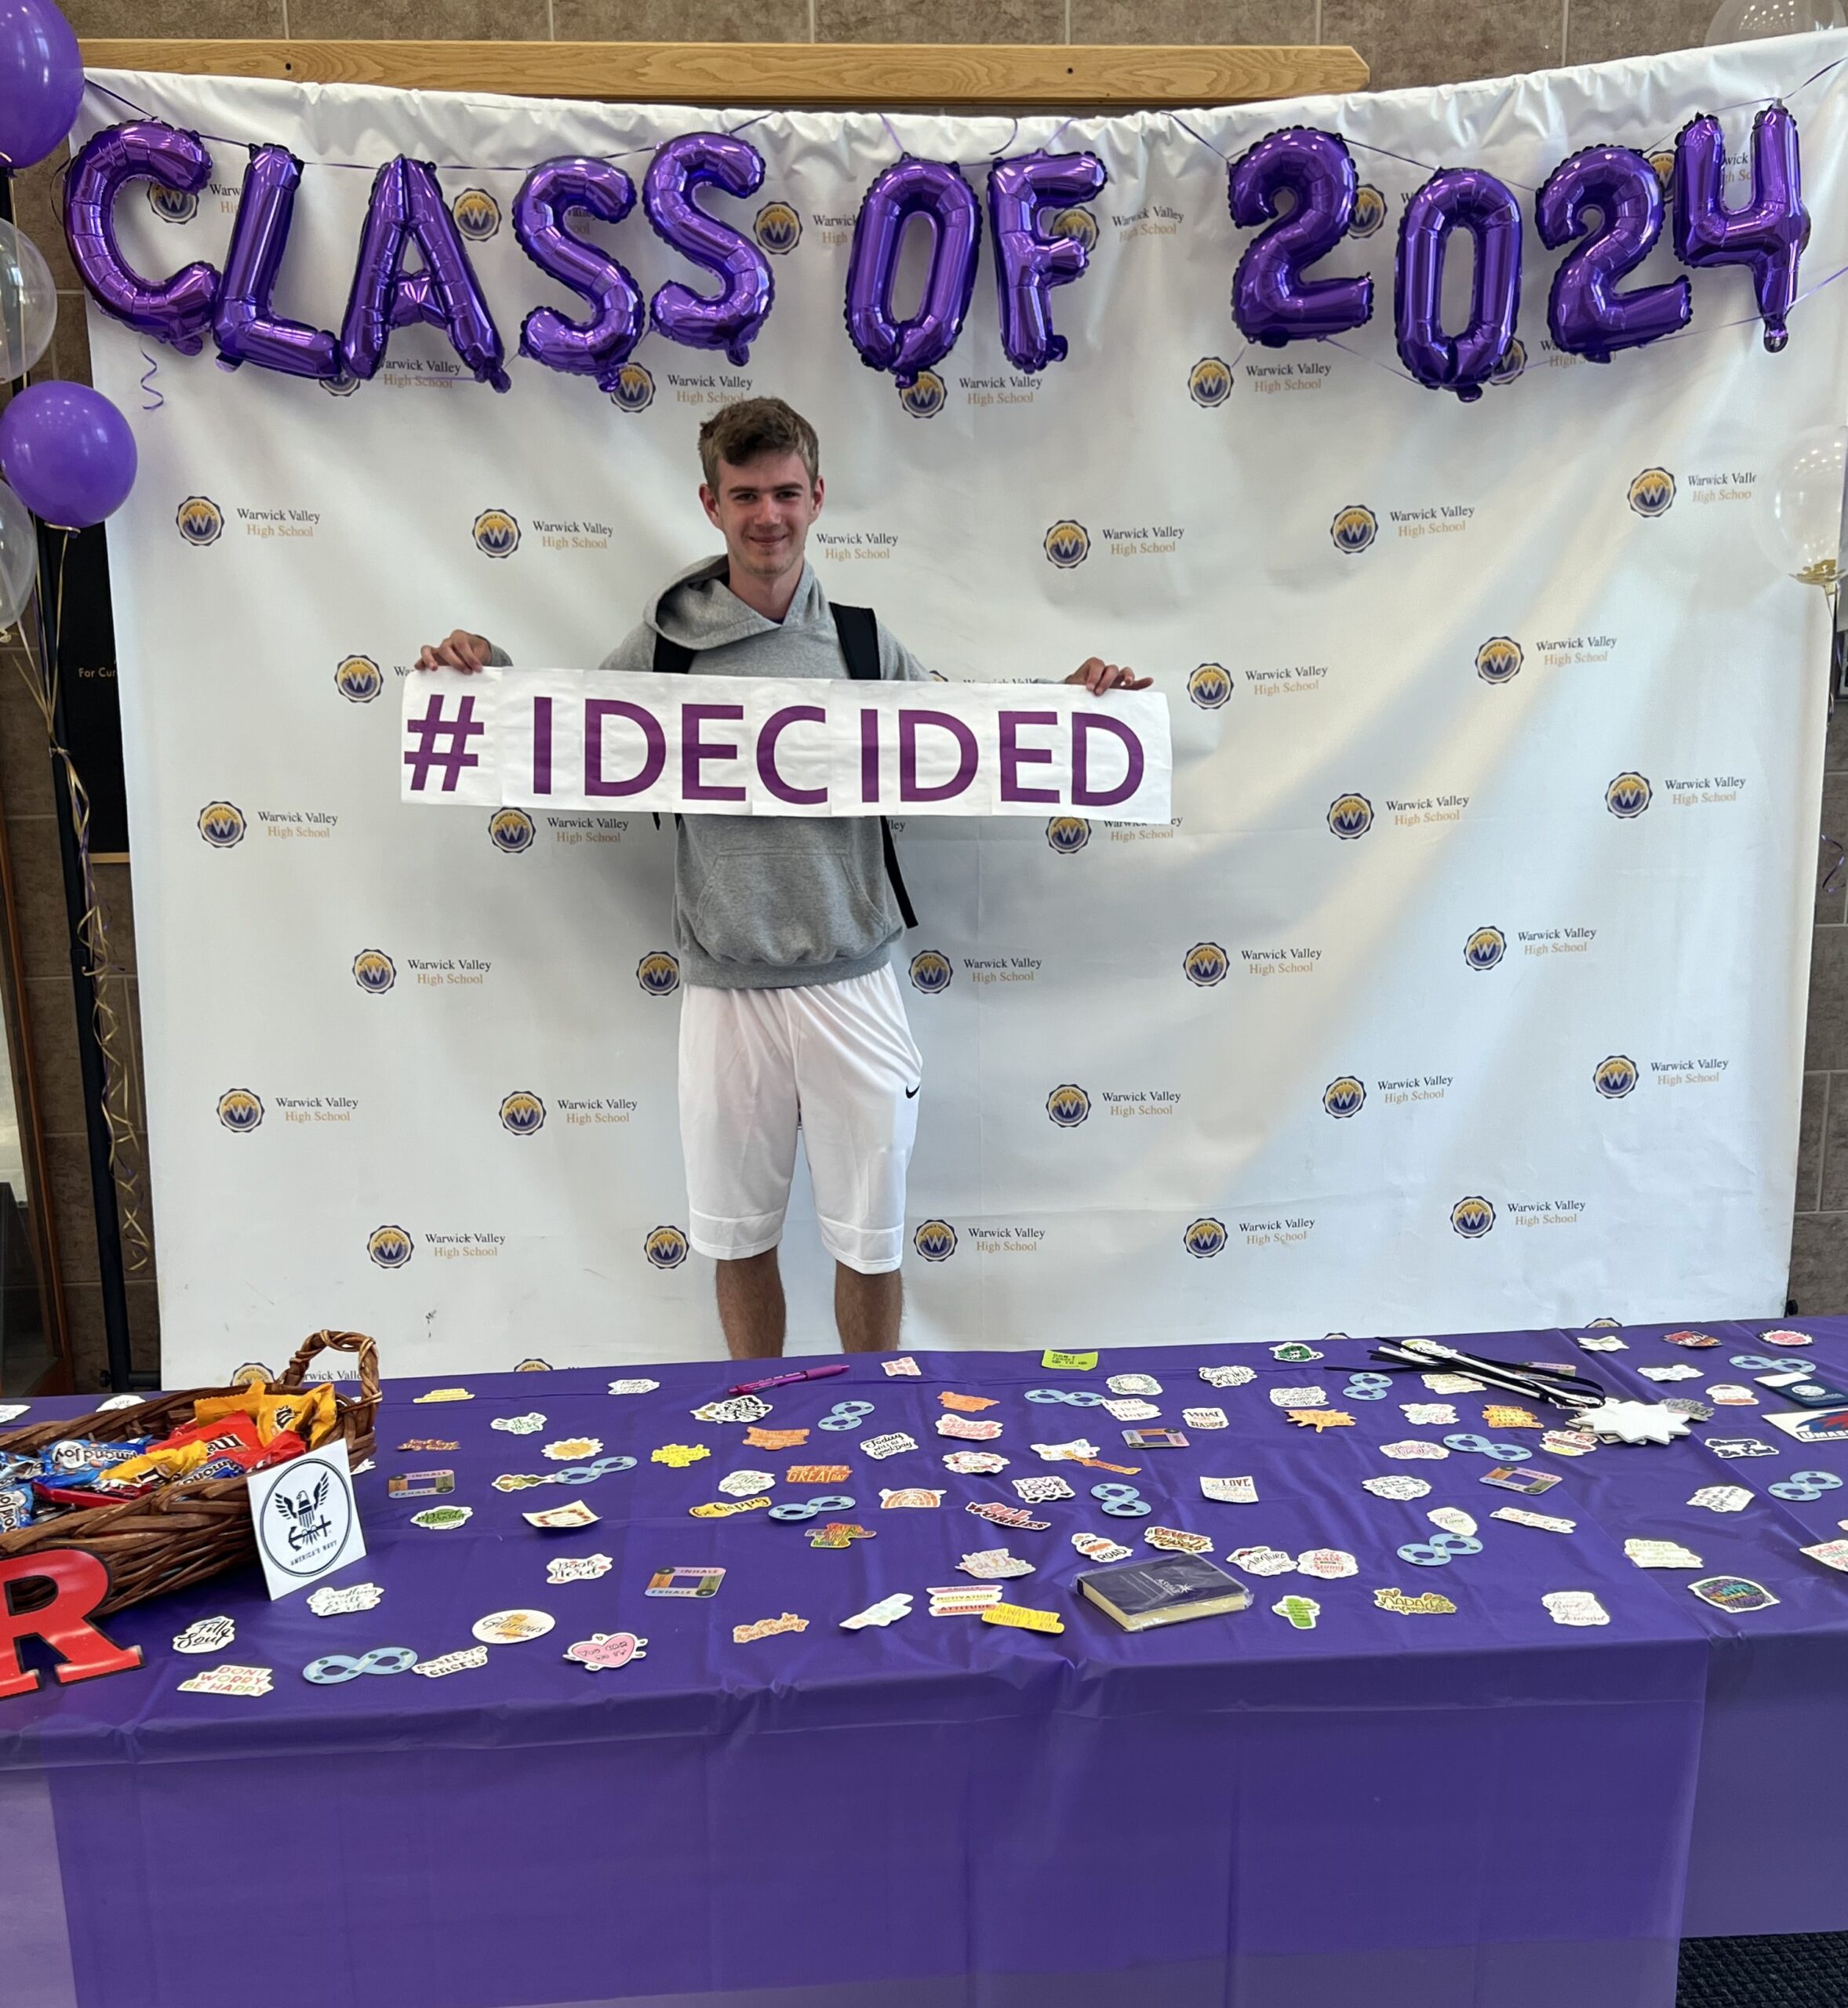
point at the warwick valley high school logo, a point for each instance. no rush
(497, 535)
(926, 397)
(1614, 1078)
(1204, 1238)
(477, 214)
(1209, 382)
(1068, 1105)
(1498, 660)
(1206, 963)
(935, 1240)
(1472, 1217)
(1068, 543)
(1344, 1096)
(1628, 796)
(374, 971)
(221, 824)
(199, 520)
(778, 229)
(931, 972)
(240, 1111)
(1652, 493)
(1209, 686)
(1354, 529)
(511, 831)
(634, 388)
(1068, 834)
(1485, 947)
(522, 1114)
(390, 1247)
(1350, 817)
(658, 973)
(665, 1247)
(358, 679)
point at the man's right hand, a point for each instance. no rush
(463, 651)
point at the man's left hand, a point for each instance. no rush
(1097, 676)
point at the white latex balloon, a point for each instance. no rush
(1755, 20)
(1798, 514)
(28, 303)
(19, 556)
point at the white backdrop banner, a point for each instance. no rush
(1462, 987)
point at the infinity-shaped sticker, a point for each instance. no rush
(1436, 1553)
(338, 1667)
(808, 1509)
(1076, 1398)
(1755, 1362)
(583, 1474)
(1368, 1387)
(845, 1415)
(1805, 1486)
(1503, 1453)
(1122, 1500)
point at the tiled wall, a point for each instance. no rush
(1405, 43)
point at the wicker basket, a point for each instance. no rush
(183, 1532)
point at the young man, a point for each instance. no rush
(784, 925)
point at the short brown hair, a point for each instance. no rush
(753, 426)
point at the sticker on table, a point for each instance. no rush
(603, 1651)
(134, 1400)
(1078, 1450)
(1299, 1398)
(966, 1599)
(890, 1445)
(896, 1368)
(1660, 1554)
(470, 1659)
(838, 1533)
(723, 1509)
(1099, 1548)
(1230, 1491)
(1319, 1419)
(430, 1443)
(1036, 1491)
(1328, 1564)
(994, 1564)
(1395, 1484)
(441, 1517)
(967, 1404)
(420, 1484)
(1228, 1376)
(1301, 1612)
(521, 1481)
(1428, 1604)
(1733, 1593)
(1176, 1541)
(1263, 1561)
(1429, 1415)
(443, 1394)
(1156, 1439)
(1510, 1477)
(512, 1627)
(335, 1669)
(909, 1495)
(1204, 1418)
(1568, 1442)
(1831, 1554)
(1722, 1498)
(1813, 1425)
(561, 1519)
(1069, 1363)
(679, 1455)
(1454, 1520)
(207, 1634)
(633, 1387)
(573, 1449)
(1547, 1523)
(888, 1610)
(1132, 1409)
(1680, 1371)
(1604, 1344)
(1006, 1516)
(1293, 1352)
(970, 1462)
(1730, 1394)
(1133, 1384)
(1575, 1607)
(741, 1485)
(962, 1426)
(1499, 1415)
(1692, 1340)
(576, 1568)
(12, 1411)
(1452, 1384)
(1787, 1338)
(775, 1439)
(519, 1425)
(1413, 1450)
(1021, 1618)
(1805, 1487)
(250, 1682)
(328, 1602)
(767, 1627)
(1731, 1447)
(700, 1581)
(736, 1408)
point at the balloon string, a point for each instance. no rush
(147, 383)
(1829, 884)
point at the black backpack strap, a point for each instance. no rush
(859, 631)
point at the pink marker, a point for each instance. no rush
(782, 1380)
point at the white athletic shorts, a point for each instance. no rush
(840, 1055)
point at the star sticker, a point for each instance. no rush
(1633, 1422)
(681, 1455)
(1320, 1418)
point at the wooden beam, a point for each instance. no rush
(834, 75)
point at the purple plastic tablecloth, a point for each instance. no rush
(1481, 1810)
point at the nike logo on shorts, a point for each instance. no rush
(910, 1093)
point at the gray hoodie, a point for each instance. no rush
(764, 901)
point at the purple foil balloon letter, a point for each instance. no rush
(243, 325)
(179, 310)
(599, 346)
(731, 320)
(1456, 197)
(936, 190)
(1586, 315)
(1271, 301)
(1768, 235)
(1028, 263)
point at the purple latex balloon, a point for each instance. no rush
(68, 453)
(1586, 313)
(1028, 263)
(1467, 198)
(40, 80)
(179, 310)
(1768, 235)
(1271, 301)
(732, 318)
(243, 326)
(936, 190)
(407, 209)
(599, 346)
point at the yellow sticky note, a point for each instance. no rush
(1022, 1619)
(1077, 1362)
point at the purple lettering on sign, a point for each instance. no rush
(766, 753)
(695, 751)
(1015, 756)
(869, 755)
(595, 710)
(542, 746)
(1083, 796)
(909, 788)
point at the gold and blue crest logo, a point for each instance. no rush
(532, 1367)
(240, 1111)
(390, 1247)
(778, 229)
(1604, 1325)
(342, 383)
(358, 678)
(511, 831)
(1628, 796)
(935, 1240)
(1472, 1217)
(1206, 963)
(1205, 1237)
(1068, 834)
(253, 1373)
(1653, 492)
(1499, 659)
(1078, 224)
(1068, 1105)
(1369, 212)
(1350, 815)
(1354, 529)
(477, 214)
(634, 388)
(172, 205)
(658, 973)
(497, 535)
(1209, 382)
(522, 1114)
(374, 971)
(665, 1247)
(1514, 360)
(1210, 686)
(931, 972)
(1485, 947)
(221, 824)
(926, 397)
(199, 521)
(1614, 1078)
(1344, 1096)
(1067, 544)
(1664, 164)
